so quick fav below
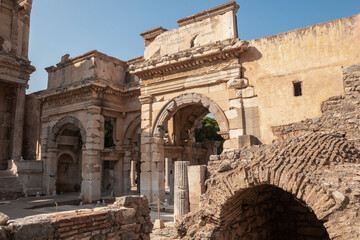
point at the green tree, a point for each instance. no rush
(208, 132)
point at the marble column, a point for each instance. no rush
(181, 198)
(18, 123)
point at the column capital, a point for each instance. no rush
(145, 99)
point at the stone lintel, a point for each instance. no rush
(173, 151)
(182, 61)
(111, 155)
(218, 10)
(153, 33)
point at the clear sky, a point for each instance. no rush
(59, 27)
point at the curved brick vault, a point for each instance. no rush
(184, 100)
(319, 170)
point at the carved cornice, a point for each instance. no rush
(191, 58)
(227, 7)
(153, 33)
(19, 68)
(65, 96)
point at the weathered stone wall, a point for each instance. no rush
(319, 170)
(89, 66)
(314, 56)
(340, 114)
(32, 126)
(128, 218)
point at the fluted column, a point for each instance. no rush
(181, 198)
(19, 123)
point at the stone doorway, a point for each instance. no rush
(268, 212)
(107, 181)
(68, 174)
(69, 159)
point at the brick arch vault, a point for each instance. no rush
(318, 171)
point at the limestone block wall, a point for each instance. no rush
(314, 56)
(91, 65)
(340, 114)
(127, 218)
(32, 126)
(15, 26)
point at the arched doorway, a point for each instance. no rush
(66, 143)
(268, 212)
(174, 138)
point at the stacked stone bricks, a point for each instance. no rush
(128, 218)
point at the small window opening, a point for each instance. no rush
(297, 89)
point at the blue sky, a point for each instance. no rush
(113, 26)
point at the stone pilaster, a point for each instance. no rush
(19, 123)
(118, 178)
(91, 162)
(181, 198)
(196, 181)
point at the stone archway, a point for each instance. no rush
(65, 121)
(304, 168)
(67, 138)
(152, 146)
(132, 142)
(189, 99)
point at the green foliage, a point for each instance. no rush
(208, 132)
(108, 139)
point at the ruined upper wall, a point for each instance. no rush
(14, 27)
(89, 66)
(314, 56)
(216, 24)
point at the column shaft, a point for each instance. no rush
(18, 123)
(181, 198)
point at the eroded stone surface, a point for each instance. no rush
(305, 166)
(112, 222)
(3, 219)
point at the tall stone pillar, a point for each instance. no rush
(118, 178)
(91, 184)
(133, 174)
(167, 173)
(19, 123)
(50, 168)
(91, 162)
(196, 181)
(171, 181)
(181, 204)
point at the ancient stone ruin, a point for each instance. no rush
(127, 218)
(286, 106)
